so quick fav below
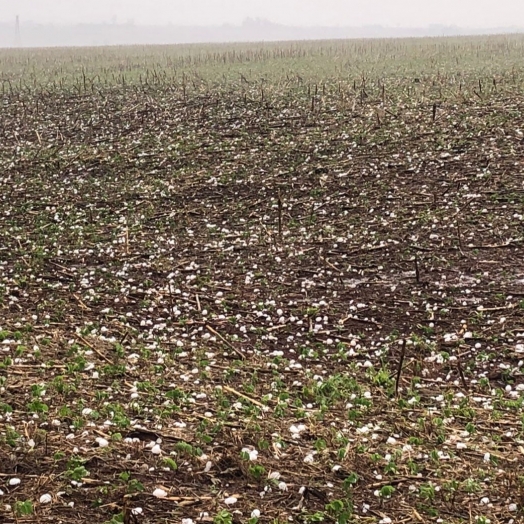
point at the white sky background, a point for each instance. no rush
(403, 13)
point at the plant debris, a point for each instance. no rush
(298, 297)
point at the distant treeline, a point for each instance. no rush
(36, 35)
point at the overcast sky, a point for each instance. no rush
(405, 13)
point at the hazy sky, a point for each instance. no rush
(467, 13)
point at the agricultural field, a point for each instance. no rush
(263, 283)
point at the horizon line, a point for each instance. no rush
(260, 22)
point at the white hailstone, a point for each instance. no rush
(461, 445)
(187, 521)
(487, 457)
(87, 411)
(14, 481)
(208, 467)
(102, 442)
(230, 501)
(302, 490)
(296, 430)
(137, 511)
(46, 499)
(159, 493)
(512, 508)
(391, 440)
(255, 514)
(309, 459)
(156, 450)
(385, 520)
(282, 486)
(252, 453)
(484, 500)
(274, 475)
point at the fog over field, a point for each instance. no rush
(477, 13)
(102, 22)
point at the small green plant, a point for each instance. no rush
(223, 517)
(350, 481)
(12, 436)
(390, 467)
(471, 485)
(116, 519)
(132, 485)
(187, 449)
(76, 470)
(257, 471)
(124, 476)
(23, 508)
(319, 516)
(37, 406)
(427, 492)
(170, 463)
(320, 444)
(386, 491)
(340, 510)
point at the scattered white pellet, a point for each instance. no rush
(102, 442)
(159, 493)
